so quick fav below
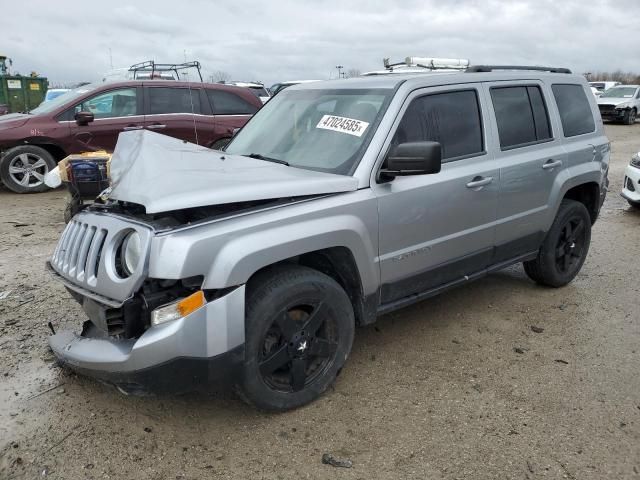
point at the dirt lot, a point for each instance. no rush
(458, 386)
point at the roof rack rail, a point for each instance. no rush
(490, 68)
(152, 68)
(429, 63)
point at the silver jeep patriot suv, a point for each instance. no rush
(338, 202)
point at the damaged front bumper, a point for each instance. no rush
(200, 349)
(631, 184)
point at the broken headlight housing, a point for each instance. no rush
(635, 160)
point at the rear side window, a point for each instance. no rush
(451, 118)
(521, 115)
(228, 103)
(173, 100)
(574, 109)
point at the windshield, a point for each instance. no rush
(69, 96)
(619, 92)
(324, 130)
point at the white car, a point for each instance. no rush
(257, 88)
(621, 103)
(602, 86)
(631, 185)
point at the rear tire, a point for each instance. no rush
(299, 329)
(565, 247)
(22, 169)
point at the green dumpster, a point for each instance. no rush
(21, 94)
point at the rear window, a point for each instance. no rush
(521, 115)
(575, 112)
(173, 100)
(228, 103)
(451, 118)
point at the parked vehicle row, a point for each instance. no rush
(91, 117)
(339, 201)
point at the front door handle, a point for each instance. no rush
(551, 164)
(479, 182)
(132, 127)
(156, 126)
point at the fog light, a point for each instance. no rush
(178, 309)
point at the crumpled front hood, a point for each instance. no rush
(163, 174)
(612, 100)
(13, 120)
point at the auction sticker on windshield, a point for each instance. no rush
(350, 126)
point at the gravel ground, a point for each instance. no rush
(459, 386)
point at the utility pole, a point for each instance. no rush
(110, 58)
(339, 67)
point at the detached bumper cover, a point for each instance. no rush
(200, 348)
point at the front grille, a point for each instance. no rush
(77, 256)
(607, 108)
(629, 183)
(87, 256)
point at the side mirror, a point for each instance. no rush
(412, 158)
(83, 118)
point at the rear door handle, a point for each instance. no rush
(156, 126)
(132, 127)
(550, 164)
(479, 182)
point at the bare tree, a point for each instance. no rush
(353, 72)
(220, 76)
(616, 76)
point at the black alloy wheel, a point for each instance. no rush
(299, 328)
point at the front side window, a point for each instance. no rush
(228, 103)
(575, 112)
(452, 118)
(521, 116)
(317, 129)
(115, 103)
(173, 100)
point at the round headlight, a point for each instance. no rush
(131, 251)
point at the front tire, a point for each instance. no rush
(299, 332)
(630, 117)
(22, 169)
(565, 247)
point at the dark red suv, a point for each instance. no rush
(90, 118)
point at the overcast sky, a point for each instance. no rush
(70, 40)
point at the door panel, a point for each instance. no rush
(439, 228)
(177, 112)
(432, 221)
(529, 166)
(114, 111)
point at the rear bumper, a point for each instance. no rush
(631, 184)
(205, 346)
